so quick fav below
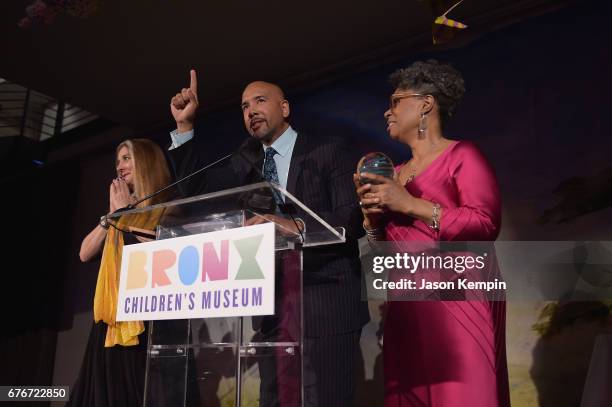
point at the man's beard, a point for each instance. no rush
(263, 137)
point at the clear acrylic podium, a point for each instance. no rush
(238, 361)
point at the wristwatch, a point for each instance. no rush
(104, 222)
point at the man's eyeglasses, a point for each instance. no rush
(395, 98)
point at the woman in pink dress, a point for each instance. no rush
(437, 353)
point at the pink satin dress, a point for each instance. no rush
(448, 353)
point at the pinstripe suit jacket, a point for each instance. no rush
(320, 176)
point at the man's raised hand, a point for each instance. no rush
(184, 105)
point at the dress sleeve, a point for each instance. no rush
(477, 215)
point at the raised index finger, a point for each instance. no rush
(193, 84)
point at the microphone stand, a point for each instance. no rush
(133, 205)
(277, 195)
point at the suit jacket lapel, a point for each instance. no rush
(300, 151)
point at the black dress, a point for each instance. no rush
(110, 377)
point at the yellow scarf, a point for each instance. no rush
(124, 333)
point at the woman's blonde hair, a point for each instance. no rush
(150, 168)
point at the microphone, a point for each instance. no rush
(285, 209)
(186, 177)
(257, 201)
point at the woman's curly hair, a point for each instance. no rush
(442, 81)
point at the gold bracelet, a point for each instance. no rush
(435, 217)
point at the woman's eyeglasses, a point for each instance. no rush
(395, 98)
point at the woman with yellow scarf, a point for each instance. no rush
(113, 369)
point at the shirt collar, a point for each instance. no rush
(283, 144)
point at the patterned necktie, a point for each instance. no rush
(270, 173)
(269, 170)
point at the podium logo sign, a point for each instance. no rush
(218, 274)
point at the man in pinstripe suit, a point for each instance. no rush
(318, 171)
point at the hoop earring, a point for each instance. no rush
(422, 126)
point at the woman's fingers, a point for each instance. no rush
(363, 189)
(123, 185)
(366, 202)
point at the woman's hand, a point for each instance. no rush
(371, 212)
(383, 194)
(369, 204)
(120, 196)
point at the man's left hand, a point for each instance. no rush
(285, 226)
